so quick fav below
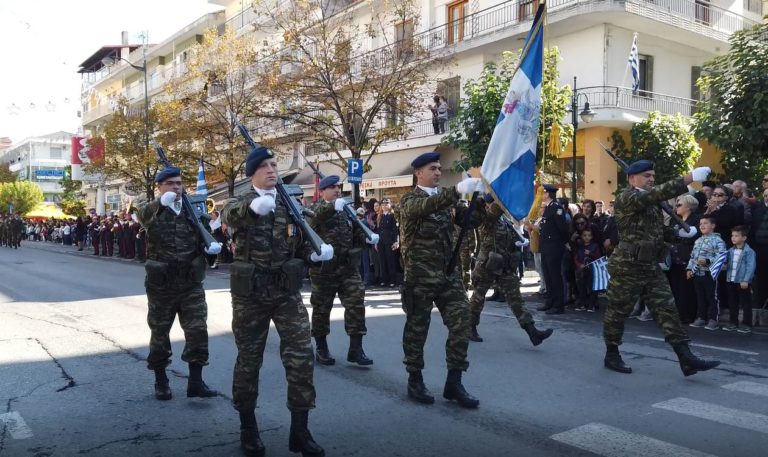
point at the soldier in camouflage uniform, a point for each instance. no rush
(265, 281)
(426, 243)
(340, 275)
(634, 265)
(467, 251)
(4, 232)
(175, 270)
(15, 229)
(498, 261)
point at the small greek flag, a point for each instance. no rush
(202, 186)
(600, 276)
(718, 265)
(634, 65)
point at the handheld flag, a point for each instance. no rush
(634, 65)
(718, 264)
(202, 186)
(600, 276)
(510, 162)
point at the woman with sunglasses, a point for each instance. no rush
(726, 216)
(686, 206)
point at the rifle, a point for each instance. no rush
(664, 205)
(351, 215)
(462, 233)
(190, 212)
(294, 211)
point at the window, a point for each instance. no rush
(343, 49)
(646, 75)
(754, 6)
(391, 112)
(55, 153)
(695, 91)
(527, 8)
(451, 90)
(702, 11)
(457, 11)
(560, 174)
(404, 38)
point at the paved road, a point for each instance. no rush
(73, 337)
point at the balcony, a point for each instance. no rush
(612, 97)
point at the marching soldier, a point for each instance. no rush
(16, 229)
(634, 265)
(552, 240)
(94, 230)
(340, 275)
(467, 250)
(265, 283)
(426, 244)
(175, 270)
(498, 261)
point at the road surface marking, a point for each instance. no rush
(608, 441)
(16, 426)
(716, 413)
(748, 387)
(706, 346)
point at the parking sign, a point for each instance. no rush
(355, 171)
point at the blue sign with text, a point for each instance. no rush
(355, 171)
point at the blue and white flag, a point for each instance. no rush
(634, 65)
(510, 162)
(718, 264)
(202, 186)
(600, 276)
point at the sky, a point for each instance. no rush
(45, 41)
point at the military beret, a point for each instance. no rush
(639, 167)
(168, 172)
(708, 184)
(423, 159)
(549, 188)
(328, 181)
(255, 157)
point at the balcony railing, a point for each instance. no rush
(624, 98)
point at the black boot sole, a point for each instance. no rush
(296, 448)
(422, 399)
(464, 403)
(690, 371)
(358, 361)
(324, 361)
(625, 369)
(538, 339)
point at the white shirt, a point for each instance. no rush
(429, 190)
(263, 192)
(734, 264)
(216, 223)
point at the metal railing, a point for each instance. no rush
(624, 98)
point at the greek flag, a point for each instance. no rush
(634, 65)
(509, 164)
(600, 276)
(202, 186)
(718, 265)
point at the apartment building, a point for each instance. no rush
(41, 160)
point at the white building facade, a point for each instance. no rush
(41, 160)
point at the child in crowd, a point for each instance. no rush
(740, 270)
(705, 251)
(586, 251)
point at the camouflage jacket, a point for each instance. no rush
(336, 229)
(170, 237)
(470, 238)
(496, 233)
(265, 241)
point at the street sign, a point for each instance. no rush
(355, 171)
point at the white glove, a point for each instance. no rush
(168, 198)
(213, 249)
(339, 204)
(469, 185)
(374, 239)
(700, 173)
(689, 234)
(522, 244)
(134, 217)
(326, 253)
(262, 205)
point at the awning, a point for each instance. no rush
(47, 211)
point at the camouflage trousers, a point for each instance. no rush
(627, 284)
(250, 325)
(349, 286)
(451, 300)
(188, 301)
(509, 282)
(465, 263)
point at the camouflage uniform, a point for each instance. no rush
(175, 271)
(15, 228)
(426, 240)
(465, 254)
(339, 275)
(4, 232)
(634, 265)
(263, 281)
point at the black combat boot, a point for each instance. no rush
(195, 386)
(613, 360)
(300, 440)
(322, 354)
(250, 441)
(454, 390)
(537, 336)
(495, 296)
(162, 389)
(356, 353)
(417, 391)
(474, 336)
(689, 363)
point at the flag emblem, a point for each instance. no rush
(718, 264)
(600, 276)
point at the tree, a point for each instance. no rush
(479, 110)
(71, 202)
(734, 114)
(5, 173)
(22, 195)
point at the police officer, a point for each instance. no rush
(175, 270)
(426, 244)
(340, 275)
(634, 265)
(265, 281)
(553, 237)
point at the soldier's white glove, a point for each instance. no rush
(339, 204)
(374, 239)
(522, 244)
(469, 185)
(213, 249)
(168, 198)
(326, 253)
(135, 217)
(262, 205)
(689, 234)
(700, 174)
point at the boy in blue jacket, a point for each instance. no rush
(741, 269)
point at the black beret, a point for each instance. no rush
(255, 157)
(549, 188)
(427, 157)
(708, 184)
(168, 172)
(328, 181)
(639, 167)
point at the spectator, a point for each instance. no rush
(758, 238)
(66, 234)
(739, 200)
(534, 234)
(739, 272)
(587, 251)
(686, 207)
(726, 217)
(705, 251)
(388, 235)
(442, 114)
(433, 109)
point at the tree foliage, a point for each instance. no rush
(72, 201)
(5, 173)
(734, 114)
(23, 195)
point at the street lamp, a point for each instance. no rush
(586, 115)
(109, 61)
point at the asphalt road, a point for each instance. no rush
(73, 337)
